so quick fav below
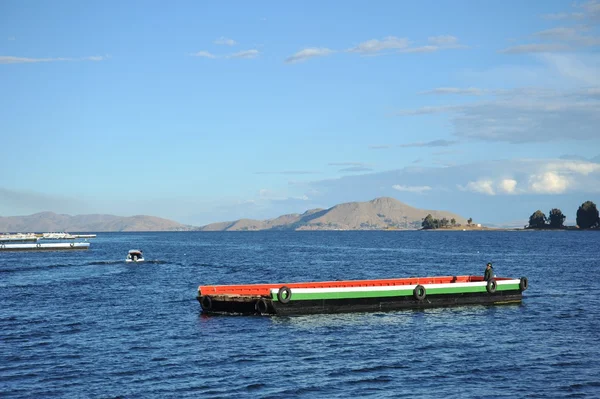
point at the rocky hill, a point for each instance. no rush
(378, 214)
(50, 221)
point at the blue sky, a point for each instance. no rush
(204, 112)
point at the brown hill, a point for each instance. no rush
(50, 221)
(378, 214)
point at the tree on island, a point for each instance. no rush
(470, 221)
(537, 220)
(556, 218)
(453, 222)
(429, 223)
(587, 215)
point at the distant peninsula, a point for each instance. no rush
(383, 213)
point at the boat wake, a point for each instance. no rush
(105, 262)
(120, 262)
(34, 268)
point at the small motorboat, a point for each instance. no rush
(135, 255)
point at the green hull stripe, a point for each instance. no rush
(300, 296)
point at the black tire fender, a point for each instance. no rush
(523, 284)
(38, 245)
(206, 302)
(491, 286)
(284, 295)
(419, 292)
(261, 306)
(72, 244)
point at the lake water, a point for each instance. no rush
(85, 324)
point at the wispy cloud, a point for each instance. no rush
(287, 172)
(374, 45)
(469, 91)
(224, 41)
(345, 164)
(308, 53)
(411, 189)
(387, 45)
(529, 115)
(7, 59)
(356, 169)
(589, 10)
(445, 41)
(564, 38)
(535, 48)
(96, 58)
(433, 143)
(245, 54)
(403, 45)
(240, 54)
(203, 54)
(380, 147)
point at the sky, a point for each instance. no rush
(205, 112)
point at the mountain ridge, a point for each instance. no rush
(383, 213)
(378, 214)
(50, 221)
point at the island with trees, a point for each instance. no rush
(587, 217)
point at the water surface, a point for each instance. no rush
(86, 324)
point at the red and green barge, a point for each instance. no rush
(360, 295)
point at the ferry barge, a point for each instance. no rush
(360, 295)
(62, 246)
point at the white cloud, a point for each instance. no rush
(308, 53)
(548, 183)
(204, 54)
(484, 186)
(411, 189)
(245, 54)
(583, 168)
(375, 45)
(223, 41)
(507, 186)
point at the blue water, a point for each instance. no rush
(85, 324)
